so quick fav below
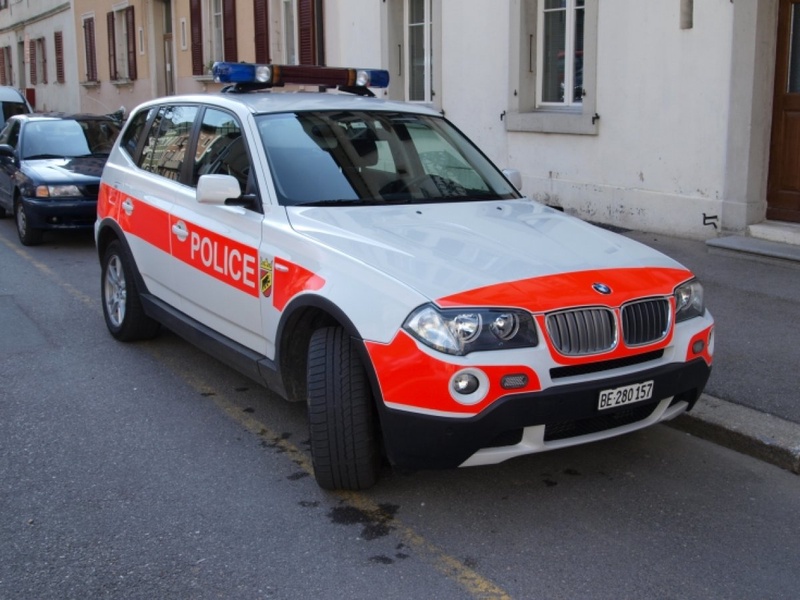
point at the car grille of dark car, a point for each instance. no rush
(645, 321)
(585, 331)
(570, 429)
(90, 191)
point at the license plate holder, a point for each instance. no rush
(625, 394)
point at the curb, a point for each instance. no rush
(751, 432)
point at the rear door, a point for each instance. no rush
(215, 269)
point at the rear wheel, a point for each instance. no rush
(341, 414)
(122, 306)
(27, 235)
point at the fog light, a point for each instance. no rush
(465, 383)
(698, 346)
(469, 386)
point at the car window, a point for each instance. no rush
(221, 149)
(165, 147)
(9, 109)
(135, 131)
(375, 157)
(10, 134)
(67, 138)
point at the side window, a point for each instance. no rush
(221, 149)
(10, 135)
(133, 134)
(554, 82)
(165, 147)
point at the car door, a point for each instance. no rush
(8, 167)
(215, 247)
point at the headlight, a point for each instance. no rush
(461, 331)
(689, 301)
(51, 191)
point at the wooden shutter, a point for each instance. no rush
(91, 50)
(196, 27)
(229, 52)
(130, 28)
(43, 75)
(32, 60)
(112, 48)
(58, 43)
(3, 66)
(261, 18)
(305, 28)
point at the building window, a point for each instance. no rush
(5, 66)
(121, 44)
(90, 49)
(419, 59)
(302, 32)
(261, 20)
(554, 77)
(213, 33)
(58, 43)
(37, 62)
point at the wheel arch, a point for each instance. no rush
(302, 316)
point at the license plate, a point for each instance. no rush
(627, 394)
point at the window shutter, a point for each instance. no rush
(58, 42)
(32, 60)
(229, 30)
(130, 27)
(44, 61)
(112, 47)
(261, 18)
(305, 28)
(91, 50)
(196, 17)
(3, 66)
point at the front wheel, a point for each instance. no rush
(341, 414)
(27, 235)
(122, 305)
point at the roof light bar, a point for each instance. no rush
(254, 75)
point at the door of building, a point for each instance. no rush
(783, 188)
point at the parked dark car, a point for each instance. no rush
(50, 167)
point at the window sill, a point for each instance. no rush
(90, 84)
(553, 121)
(121, 82)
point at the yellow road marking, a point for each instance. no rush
(472, 582)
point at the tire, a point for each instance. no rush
(122, 305)
(27, 235)
(341, 414)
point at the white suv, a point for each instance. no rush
(364, 257)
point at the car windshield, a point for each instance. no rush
(352, 157)
(68, 138)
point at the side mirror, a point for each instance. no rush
(514, 176)
(7, 151)
(216, 189)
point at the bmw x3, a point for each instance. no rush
(364, 257)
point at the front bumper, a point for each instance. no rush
(62, 213)
(535, 422)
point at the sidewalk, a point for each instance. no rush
(752, 287)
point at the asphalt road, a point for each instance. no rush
(151, 471)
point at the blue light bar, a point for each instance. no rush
(249, 74)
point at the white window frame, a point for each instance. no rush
(526, 110)
(121, 34)
(427, 51)
(290, 33)
(216, 30)
(570, 10)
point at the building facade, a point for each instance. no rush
(669, 116)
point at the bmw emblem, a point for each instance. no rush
(601, 288)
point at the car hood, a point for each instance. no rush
(82, 169)
(444, 249)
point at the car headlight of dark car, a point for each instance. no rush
(57, 191)
(460, 331)
(689, 301)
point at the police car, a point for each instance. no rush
(364, 257)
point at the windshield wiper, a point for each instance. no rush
(355, 202)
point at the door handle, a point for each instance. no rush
(180, 231)
(127, 206)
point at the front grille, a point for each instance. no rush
(570, 429)
(582, 331)
(645, 321)
(605, 365)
